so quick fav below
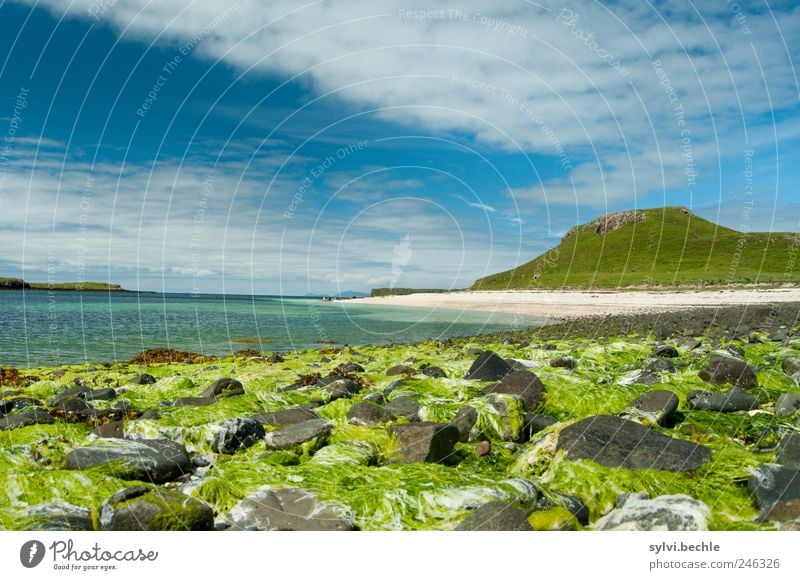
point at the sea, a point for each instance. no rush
(49, 328)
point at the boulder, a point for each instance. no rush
(17, 403)
(349, 367)
(658, 405)
(791, 365)
(666, 351)
(488, 367)
(564, 362)
(298, 433)
(787, 404)
(522, 384)
(789, 450)
(369, 414)
(723, 369)
(106, 394)
(495, 516)
(111, 430)
(771, 483)
(236, 435)
(288, 509)
(139, 508)
(651, 373)
(464, 421)
(67, 394)
(223, 388)
(340, 389)
(424, 442)
(535, 422)
(783, 511)
(60, 518)
(142, 379)
(434, 372)
(734, 399)
(194, 401)
(400, 370)
(667, 513)
(30, 416)
(405, 407)
(155, 460)
(286, 417)
(616, 442)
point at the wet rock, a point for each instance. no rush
(616, 442)
(772, 483)
(791, 365)
(100, 394)
(573, 504)
(783, 511)
(405, 407)
(734, 399)
(488, 367)
(673, 513)
(298, 433)
(9, 405)
(142, 379)
(111, 430)
(340, 389)
(789, 451)
(564, 362)
(194, 402)
(495, 516)
(651, 373)
(688, 343)
(535, 422)
(223, 388)
(30, 416)
(400, 370)
(666, 351)
(464, 421)
(725, 369)
(71, 405)
(787, 404)
(522, 384)
(154, 460)
(434, 372)
(67, 394)
(393, 386)
(658, 405)
(150, 415)
(236, 435)
(60, 518)
(483, 448)
(369, 414)
(286, 417)
(288, 509)
(424, 442)
(139, 508)
(349, 367)
(376, 398)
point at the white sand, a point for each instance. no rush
(577, 304)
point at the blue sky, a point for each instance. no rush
(280, 147)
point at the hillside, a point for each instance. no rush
(20, 284)
(665, 246)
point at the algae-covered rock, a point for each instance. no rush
(288, 509)
(424, 442)
(488, 367)
(297, 434)
(657, 405)
(142, 379)
(734, 399)
(523, 384)
(237, 434)
(667, 513)
(60, 517)
(616, 442)
(652, 373)
(495, 516)
(156, 460)
(30, 416)
(17, 403)
(139, 508)
(723, 369)
(555, 519)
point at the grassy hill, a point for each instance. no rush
(666, 246)
(20, 284)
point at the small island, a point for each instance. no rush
(20, 284)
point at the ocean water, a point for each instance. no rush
(41, 328)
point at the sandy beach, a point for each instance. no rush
(566, 305)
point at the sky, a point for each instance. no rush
(275, 147)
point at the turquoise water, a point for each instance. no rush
(39, 328)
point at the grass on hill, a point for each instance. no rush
(669, 247)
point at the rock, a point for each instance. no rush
(349, 367)
(60, 518)
(100, 395)
(783, 511)
(155, 460)
(112, 430)
(376, 398)
(688, 343)
(735, 350)
(535, 422)
(565, 362)
(275, 358)
(483, 448)
(424, 442)
(67, 394)
(667, 513)
(616, 442)
(488, 367)
(472, 351)
(574, 505)
(405, 407)
(771, 483)
(298, 433)
(734, 399)
(791, 365)
(495, 516)
(142, 379)
(657, 405)
(237, 435)
(522, 384)
(369, 414)
(286, 417)
(555, 519)
(150, 415)
(288, 509)
(223, 388)
(780, 336)
(789, 451)
(71, 405)
(787, 404)
(651, 373)
(434, 372)
(30, 416)
(194, 402)
(464, 421)
(340, 389)
(725, 369)
(139, 508)
(400, 370)
(393, 386)
(666, 351)
(9, 405)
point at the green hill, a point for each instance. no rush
(667, 246)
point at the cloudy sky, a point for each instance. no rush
(270, 146)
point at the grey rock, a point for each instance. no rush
(666, 351)
(30, 416)
(236, 435)
(100, 395)
(434, 372)
(288, 509)
(400, 370)
(377, 398)
(659, 404)
(616, 442)
(791, 365)
(67, 394)
(488, 367)
(464, 421)
(223, 388)
(789, 450)
(111, 430)
(142, 379)
(350, 367)
(298, 433)
(771, 483)
(9, 405)
(522, 384)
(194, 402)
(369, 414)
(787, 404)
(405, 407)
(725, 369)
(651, 373)
(340, 389)
(535, 422)
(393, 386)
(734, 399)
(688, 343)
(424, 442)
(673, 513)
(60, 518)
(139, 508)
(571, 503)
(155, 460)
(495, 516)
(783, 511)
(286, 417)
(565, 362)
(624, 498)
